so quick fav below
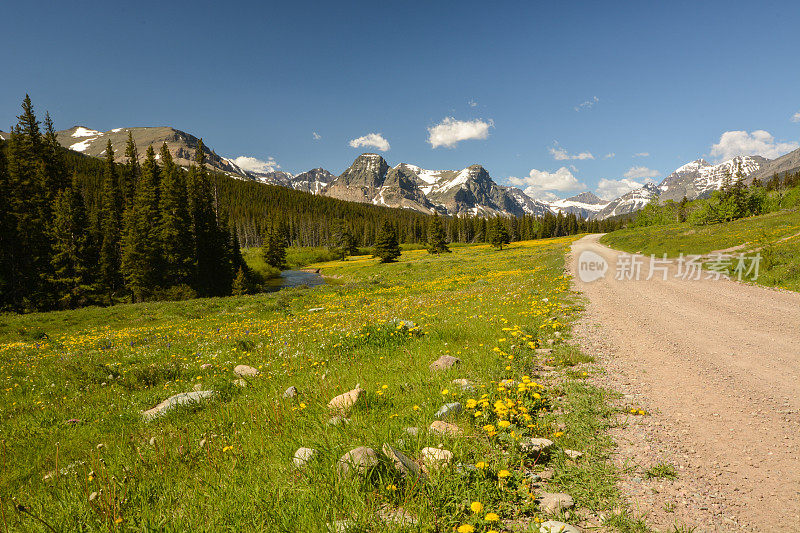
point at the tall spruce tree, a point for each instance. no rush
(177, 240)
(74, 256)
(141, 252)
(109, 262)
(499, 235)
(437, 243)
(343, 243)
(387, 247)
(274, 248)
(204, 224)
(8, 234)
(130, 172)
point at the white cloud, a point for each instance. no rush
(538, 182)
(641, 154)
(472, 103)
(561, 154)
(450, 131)
(796, 117)
(759, 142)
(316, 135)
(374, 140)
(254, 164)
(610, 189)
(641, 172)
(609, 155)
(588, 104)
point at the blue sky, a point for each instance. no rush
(259, 79)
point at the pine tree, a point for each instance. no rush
(74, 258)
(342, 241)
(274, 248)
(54, 168)
(204, 224)
(176, 238)
(386, 246)
(110, 228)
(140, 243)
(499, 236)
(130, 172)
(8, 237)
(240, 284)
(437, 243)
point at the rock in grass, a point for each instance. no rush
(544, 351)
(302, 456)
(244, 371)
(536, 446)
(413, 431)
(445, 362)
(399, 516)
(572, 454)
(345, 402)
(448, 410)
(401, 461)
(291, 392)
(436, 457)
(552, 526)
(445, 428)
(338, 420)
(358, 460)
(206, 366)
(464, 384)
(552, 502)
(178, 399)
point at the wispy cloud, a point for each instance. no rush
(588, 104)
(371, 140)
(641, 172)
(472, 103)
(641, 154)
(609, 155)
(449, 132)
(254, 164)
(316, 135)
(796, 117)
(538, 182)
(759, 142)
(561, 154)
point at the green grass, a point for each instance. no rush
(775, 234)
(661, 471)
(73, 385)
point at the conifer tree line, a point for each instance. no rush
(77, 230)
(130, 232)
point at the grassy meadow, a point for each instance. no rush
(775, 235)
(76, 454)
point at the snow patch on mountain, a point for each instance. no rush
(80, 131)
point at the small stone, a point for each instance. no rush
(93, 496)
(534, 477)
(546, 474)
(508, 383)
(244, 371)
(552, 526)
(436, 457)
(344, 402)
(572, 454)
(315, 309)
(464, 384)
(552, 502)
(448, 410)
(413, 431)
(152, 441)
(444, 428)
(358, 460)
(401, 461)
(339, 526)
(291, 392)
(445, 362)
(205, 366)
(544, 351)
(536, 446)
(101, 446)
(338, 420)
(398, 516)
(202, 443)
(178, 399)
(302, 456)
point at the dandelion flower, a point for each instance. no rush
(480, 465)
(476, 507)
(465, 528)
(503, 473)
(492, 517)
(504, 424)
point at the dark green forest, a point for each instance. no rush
(77, 230)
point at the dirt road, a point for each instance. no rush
(717, 366)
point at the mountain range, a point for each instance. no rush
(469, 191)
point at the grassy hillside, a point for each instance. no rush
(76, 453)
(775, 235)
